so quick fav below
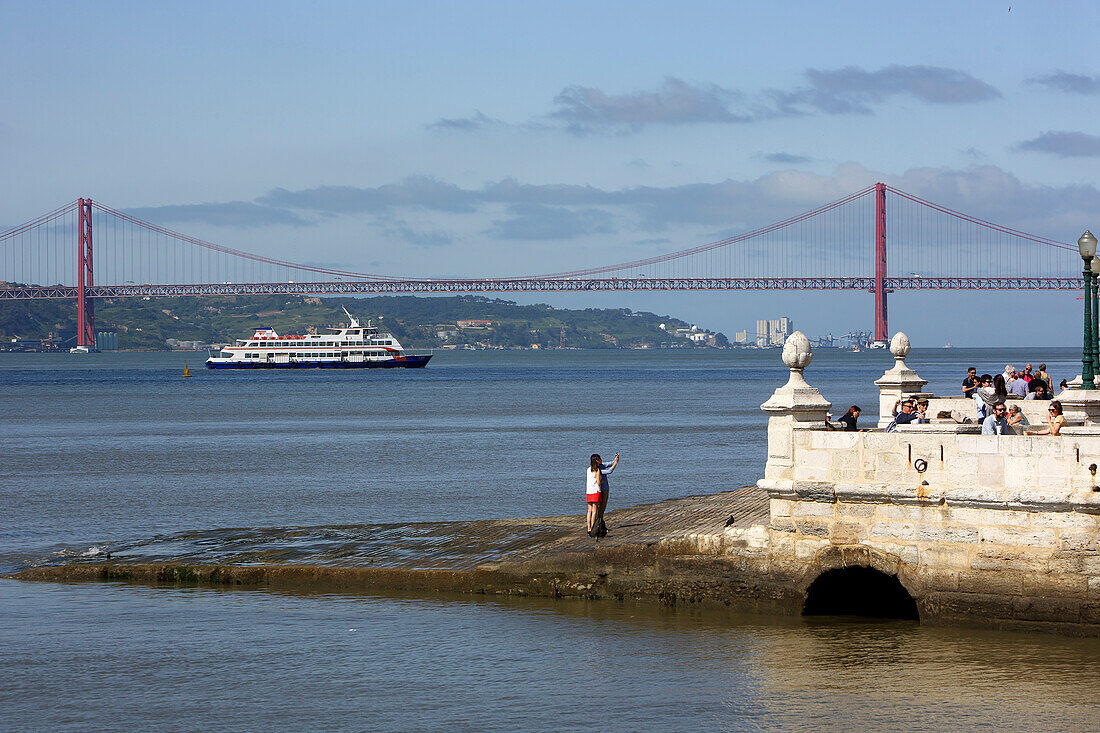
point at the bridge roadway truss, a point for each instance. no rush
(543, 285)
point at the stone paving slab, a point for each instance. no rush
(647, 524)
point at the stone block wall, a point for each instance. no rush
(997, 529)
(977, 528)
(1001, 468)
(966, 558)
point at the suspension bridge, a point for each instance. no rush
(878, 240)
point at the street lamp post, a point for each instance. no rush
(1094, 268)
(1086, 245)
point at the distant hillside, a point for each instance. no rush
(418, 322)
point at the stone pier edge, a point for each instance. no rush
(661, 574)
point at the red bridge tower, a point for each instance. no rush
(881, 330)
(85, 306)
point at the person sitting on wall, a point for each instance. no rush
(1009, 373)
(1055, 421)
(1063, 386)
(921, 412)
(1016, 419)
(971, 382)
(996, 423)
(906, 416)
(849, 418)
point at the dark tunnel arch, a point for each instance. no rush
(859, 591)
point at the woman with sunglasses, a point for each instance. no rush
(1055, 421)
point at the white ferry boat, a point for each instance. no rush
(351, 347)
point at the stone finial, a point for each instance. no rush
(797, 353)
(898, 382)
(794, 405)
(900, 348)
(899, 345)
(796, 396)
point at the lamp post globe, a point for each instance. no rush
(1086, 245)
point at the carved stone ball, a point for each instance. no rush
(899, 345)
(796, 351)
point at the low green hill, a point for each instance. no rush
(418, 322)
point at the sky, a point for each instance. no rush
(499, 138)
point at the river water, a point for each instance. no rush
(108, 451)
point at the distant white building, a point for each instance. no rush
(773, 332)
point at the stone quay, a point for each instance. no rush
(999, 530)
(933, 522)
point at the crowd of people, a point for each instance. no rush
(1027, 384)
(991, 394)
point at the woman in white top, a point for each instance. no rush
(596, 488)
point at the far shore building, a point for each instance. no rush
(773, 332)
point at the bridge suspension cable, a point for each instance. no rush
(866, 240)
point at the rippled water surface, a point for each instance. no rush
(116, 450)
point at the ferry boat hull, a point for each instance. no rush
(413, 361)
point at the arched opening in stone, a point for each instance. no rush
(859, 591)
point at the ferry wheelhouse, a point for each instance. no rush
(350, 347)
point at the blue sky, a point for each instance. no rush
(500, 138)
